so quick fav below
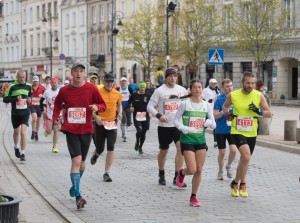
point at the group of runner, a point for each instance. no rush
(182, 119)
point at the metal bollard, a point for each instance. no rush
(290, 130)
(298, 135)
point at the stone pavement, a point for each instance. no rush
(135, 196)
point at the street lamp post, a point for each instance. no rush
(115, 15)
(51, 39)
(170, 10)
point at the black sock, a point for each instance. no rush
(193, 195)
(176, 174)
(161, 173)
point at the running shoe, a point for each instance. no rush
(124, 139)
(243, 190)
(136, 146)
(80, 202)
(72, 191)
(194, 202)
(123, 135)
(94, 158)
(215, 144)
(161, 180)
(17, 152)
(180, 179)
(229, 173)
(234, 189)
(106, 178)
(174, 182)
(54, 150)
(140, 151)
(32, 135)
(220, 175)
(22, 157)
(46, 134)
(36, 137)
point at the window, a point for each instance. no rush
(17, 27)
(82, 18)
(133, 6)
(101, 13)
(24, 45)
(75, 47)
(94, 47)
(74, 19)
(67, 21)
(7, 31)
(12, 28)
(44, 40)
(30, 16)
(31, 45)
(82, 50)
(101, 45)
(109, 44)
(24, 16)
(246, 12)
(289, 6)
(55, 12)
(38, 13)
(49, 9)
(228, 17)
(94, 15)
(109, 12)
(38, 44)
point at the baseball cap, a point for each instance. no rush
(55, 79)
(170, 71)
(77, 65)
(67, 81)
(213, 80)
(109, 77)
(35, 78)
(123, 79)
(94, 77)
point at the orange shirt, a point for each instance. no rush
(112, 99)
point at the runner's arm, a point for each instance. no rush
(227, 104)
(265, 107)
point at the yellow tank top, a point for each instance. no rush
(245, 121)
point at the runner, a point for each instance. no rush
(48, 100)
(167, 132)
(19, 95)
(137, 103)
(106, 127)
(35, 108)
(223, 131)
(126, 91)
(246, 108)
(78, 125)
(196, 115)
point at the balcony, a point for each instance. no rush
(97, 60)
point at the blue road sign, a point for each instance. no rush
(62, 56)
(216, 56)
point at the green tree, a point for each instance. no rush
(143, 35)
(198, 21)
(258, 27)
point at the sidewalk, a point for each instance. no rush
(134, 195)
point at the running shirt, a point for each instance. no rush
(167, 106)
(46, 86)
(50, 96)
(36, 95)
(245, 120)
(194, 117)
(125, 95)
(112, 99)
(139, 102)
(223, 126)
(77, 100)
(210, 94)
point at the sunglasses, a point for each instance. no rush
(109, 81)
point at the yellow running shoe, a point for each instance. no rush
(243, 190)
(46, 134)
(54, 150)
(234, 191)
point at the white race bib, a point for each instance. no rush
(77, 115)
(35, 101)
(196, 124)
(244, 123)
(140, 116)
(125, 97)
(171, 107)
(22, 104)
(110, 125)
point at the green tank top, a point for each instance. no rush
(194, 118)
(245, 121)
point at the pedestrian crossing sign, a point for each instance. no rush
(216, 56)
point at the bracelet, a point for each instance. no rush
(222, 112)
(158, 115)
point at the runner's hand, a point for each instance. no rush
(208, 122)
(229, 116)
(252, 107)
(94, 107)
(184, 129)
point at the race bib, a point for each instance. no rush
(110, 125)
(77, 115)
(140, 116)
(171, 107)
(35, 101)
(196, 124)
(22, 104)
(244, 123)
(125, 97)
